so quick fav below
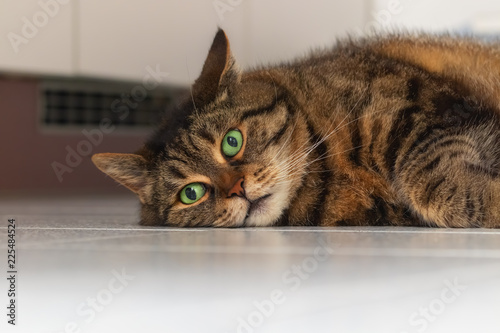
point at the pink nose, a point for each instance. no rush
(237, 189)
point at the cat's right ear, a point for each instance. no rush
(127, 169)
(219, 72)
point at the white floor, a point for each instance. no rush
(84, 265)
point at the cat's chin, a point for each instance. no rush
(258, 212)
(264, 211)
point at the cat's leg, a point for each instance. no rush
(451, 180)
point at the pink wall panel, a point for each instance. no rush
(26, 154)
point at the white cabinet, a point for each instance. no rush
(36, 36)
(479, 16)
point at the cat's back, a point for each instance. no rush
(469, 66)
(471, 63)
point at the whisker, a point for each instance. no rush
(286, 168)
(322, 139)
(322, 157)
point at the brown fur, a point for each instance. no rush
(398, 130)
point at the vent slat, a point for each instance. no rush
(80, 103)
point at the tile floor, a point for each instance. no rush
(84, 265)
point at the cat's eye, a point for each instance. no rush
(232, 143)
(192, 193)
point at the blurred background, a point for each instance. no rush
(82, 77)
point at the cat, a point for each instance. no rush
(396, 130)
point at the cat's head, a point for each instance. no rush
(227, 157)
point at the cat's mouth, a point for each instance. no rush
(257, 206)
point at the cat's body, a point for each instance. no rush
(388, 131)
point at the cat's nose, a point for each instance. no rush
(237, 189)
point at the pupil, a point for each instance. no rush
(232, 141)
(191, 193)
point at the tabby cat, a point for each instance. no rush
(398, 130)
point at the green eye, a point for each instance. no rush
(192, 193)
(232, 142)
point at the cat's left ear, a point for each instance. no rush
(219, 72)
(129, 170)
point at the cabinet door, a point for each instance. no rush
(123, 38)
(36, 36)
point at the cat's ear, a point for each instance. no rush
(218, 73)
(128, 169)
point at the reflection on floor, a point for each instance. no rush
(84, 265)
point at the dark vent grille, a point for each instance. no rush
(78, 104)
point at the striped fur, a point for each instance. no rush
(398, 130)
